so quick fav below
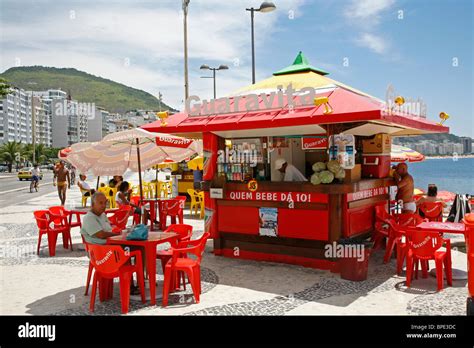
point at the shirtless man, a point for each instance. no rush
(405, 186)
(61, 179)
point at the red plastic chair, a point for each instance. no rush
(433, 211)
(136, 201)
(59, 216)
(119, 218)
(191, 267)
(185, 232)
(44, 227)
(90, 269)
(424, 246)
(60, 210)
(381, 229)
(109, 262)
(173, 208)
(396, 236)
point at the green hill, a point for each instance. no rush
(83, 87)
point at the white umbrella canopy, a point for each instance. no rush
(134, 149)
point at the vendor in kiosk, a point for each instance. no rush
(289, 171)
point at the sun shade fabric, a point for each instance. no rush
(117, 152)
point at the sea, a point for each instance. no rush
(449, 174)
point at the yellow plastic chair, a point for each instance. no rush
(84, 197)
(164, 189)
(193, 206)
(110, 194)
(201, 202)
(147, 189)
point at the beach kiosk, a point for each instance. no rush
(304, 117)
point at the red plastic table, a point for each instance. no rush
(442, 227)
(154, 238)
(153, 215)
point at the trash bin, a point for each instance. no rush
(469, 235)
(354, 263)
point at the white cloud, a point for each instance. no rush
(366, 15)
(102, 35)
(375, 43)
(367, 9)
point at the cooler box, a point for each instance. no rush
(375, 165)
(380, 143)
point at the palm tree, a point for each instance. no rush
(11, 153)
(40, 153)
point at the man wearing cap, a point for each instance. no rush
(291, 173)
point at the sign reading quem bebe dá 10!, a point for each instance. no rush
(364, 194)
(297, 197)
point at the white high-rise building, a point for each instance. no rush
(15, 122)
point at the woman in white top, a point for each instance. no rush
(121, 199)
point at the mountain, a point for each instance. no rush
(83, 87)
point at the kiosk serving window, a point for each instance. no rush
(241, 160)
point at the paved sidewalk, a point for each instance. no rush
(43, 285)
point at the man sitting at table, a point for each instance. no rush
(96, 227)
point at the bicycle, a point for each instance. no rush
(34, 184)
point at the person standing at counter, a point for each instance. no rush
(289, 171)
(406, 186)
(197, 178)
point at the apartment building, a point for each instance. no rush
(15, 121)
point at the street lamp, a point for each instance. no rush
(206, 67)
(265, 7)
(185, 24)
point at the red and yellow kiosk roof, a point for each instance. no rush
(275, 113)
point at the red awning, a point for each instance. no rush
(347, 107)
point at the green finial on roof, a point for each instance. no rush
(301, 64)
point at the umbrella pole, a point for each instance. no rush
(139, 171)
(156, 183)
(97, 185)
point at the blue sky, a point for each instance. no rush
(139, 43)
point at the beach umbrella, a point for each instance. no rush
(133, 149)
(418, 191)
(446, 196)
(403, 154)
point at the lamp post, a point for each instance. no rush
(265, 7)
(206, 67)
(185, 24)
(33, 127)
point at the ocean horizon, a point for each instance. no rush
(449, 174)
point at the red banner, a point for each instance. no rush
(173, 142)
(314, 143)
(296, 197)
(355, 196)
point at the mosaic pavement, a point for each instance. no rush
(229, 286)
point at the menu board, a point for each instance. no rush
(342, 149)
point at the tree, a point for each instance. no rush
(11, 153)
(4, 88)
(40, 153)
